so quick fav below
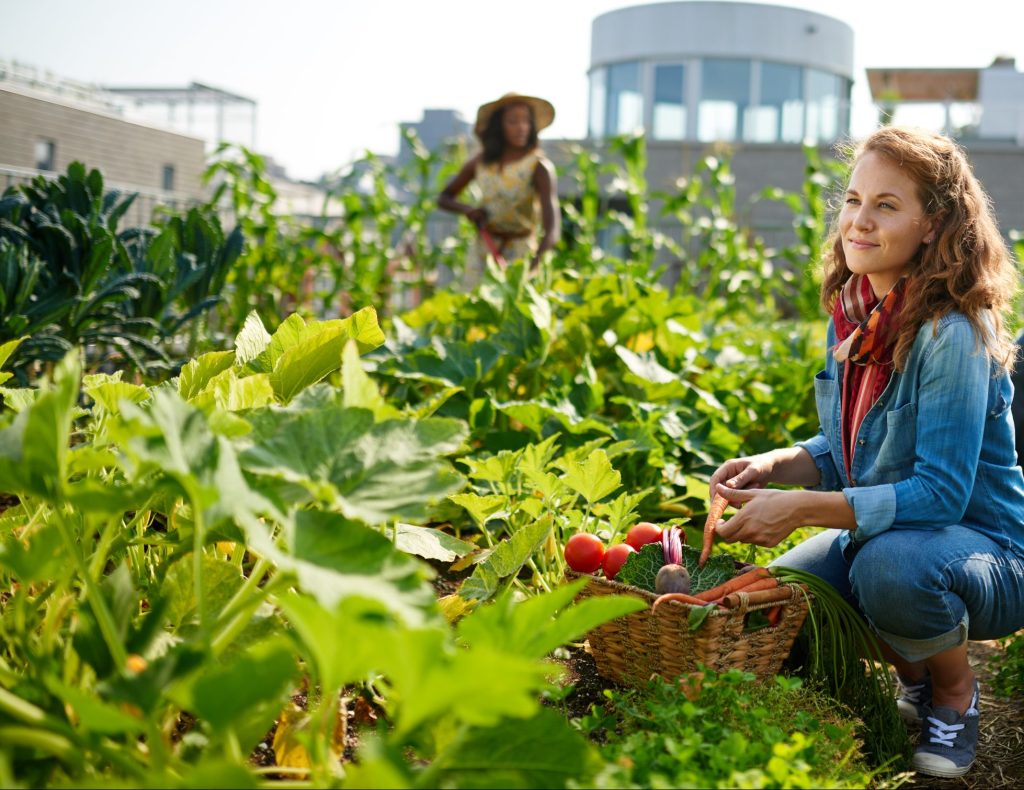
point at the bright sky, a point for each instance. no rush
(335, 77)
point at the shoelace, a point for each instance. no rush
(911, 693)
(942, 733)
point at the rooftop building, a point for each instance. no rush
(715, 71)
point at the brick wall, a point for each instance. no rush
(127, 153)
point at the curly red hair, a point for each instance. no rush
(966, 268)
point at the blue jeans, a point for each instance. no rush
(922, 591)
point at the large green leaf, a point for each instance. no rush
(376, 472)
(337, 560)
(536, 626)
(455, 364)
(535, 415)
(431, 544)
(222, 580)
(229, 392)
(93, 714)
(201, 370)
(507, 559)
(34, 447)
(593, 479)
(39, 556)
(173, 439)
(317, 349)
(478, 686)
(540, 752)
(482, 508)
(108, 391)
(658, 383)
(6, 349)
(253, 684)
(345, 644)
(252, 340)
(359, 390)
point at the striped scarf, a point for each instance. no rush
(866, 328)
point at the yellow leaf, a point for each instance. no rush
(289, 752)
(293, 733)
(454, 606)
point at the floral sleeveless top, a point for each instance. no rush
(508, 194)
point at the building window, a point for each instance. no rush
(598, 91)
(724, 96)
(46, 155)
(779, 115)
(825, 106)
(669, 119)
(168, 178)
(625, 100)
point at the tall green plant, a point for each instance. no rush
(69, 278)
(811, 216)
(213, 543)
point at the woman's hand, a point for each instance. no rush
(477, 215)
(766, 516)
(749, 472)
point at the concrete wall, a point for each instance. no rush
(1000, 168)
(1001, 94)
(128, 154)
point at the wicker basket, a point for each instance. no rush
(631, 649)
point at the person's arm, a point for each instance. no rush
(787, 465)
(545, 182)
(948, 423)
(448, 199)
(768, 516)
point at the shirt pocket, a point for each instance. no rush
(898, 448)
(999, 398)
(825, 400)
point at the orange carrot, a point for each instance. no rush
(718, 505)
(734, 584)
(681, 597)
(769, 583)
(774, 615)
(759, 591)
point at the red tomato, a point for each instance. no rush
(584, 552)
(643, 533)
(614, 559)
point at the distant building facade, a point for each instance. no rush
(716, 71)
(437, 129)
(46, 123)
(759, 81)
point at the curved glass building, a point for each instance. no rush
(715, 71)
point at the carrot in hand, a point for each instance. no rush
(734, 584)
(718, 505)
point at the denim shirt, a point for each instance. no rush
(936, 449)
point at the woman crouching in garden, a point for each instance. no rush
(914, 471)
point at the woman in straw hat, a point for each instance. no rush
(515, 180)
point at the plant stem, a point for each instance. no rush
(93, 593)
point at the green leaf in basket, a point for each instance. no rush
(719, 568)
(698, 614)
(641, 568)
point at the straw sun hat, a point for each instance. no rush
(543, 111)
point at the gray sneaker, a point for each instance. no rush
(914, 700)
(948, 740)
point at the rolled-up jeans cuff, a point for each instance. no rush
(920, 649)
